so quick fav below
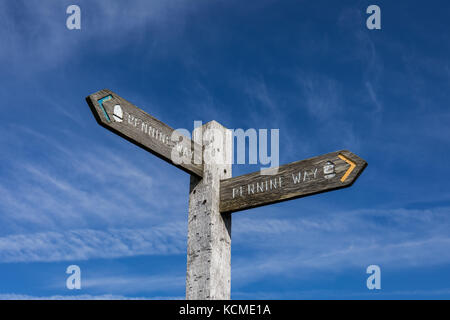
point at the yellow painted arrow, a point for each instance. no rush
(352, 166)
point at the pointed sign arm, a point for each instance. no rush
(328, 172)
(133, 124)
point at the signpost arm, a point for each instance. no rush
(209, 232)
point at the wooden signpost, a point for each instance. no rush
(214, 194)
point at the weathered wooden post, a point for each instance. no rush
(209, 231)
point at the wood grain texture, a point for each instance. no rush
(291, 181)
(145, 131)
(208, 275)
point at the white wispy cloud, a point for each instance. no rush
(15, 296)
(322, 96)
(82, 187)
(132, 284)
(373, 96)
(75, 245)
(36, 30)
(338, 294)
(340, 241)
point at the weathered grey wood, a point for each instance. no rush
(255, 190)
(209, 231)
(145, 131)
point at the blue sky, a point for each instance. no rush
(73, 193)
